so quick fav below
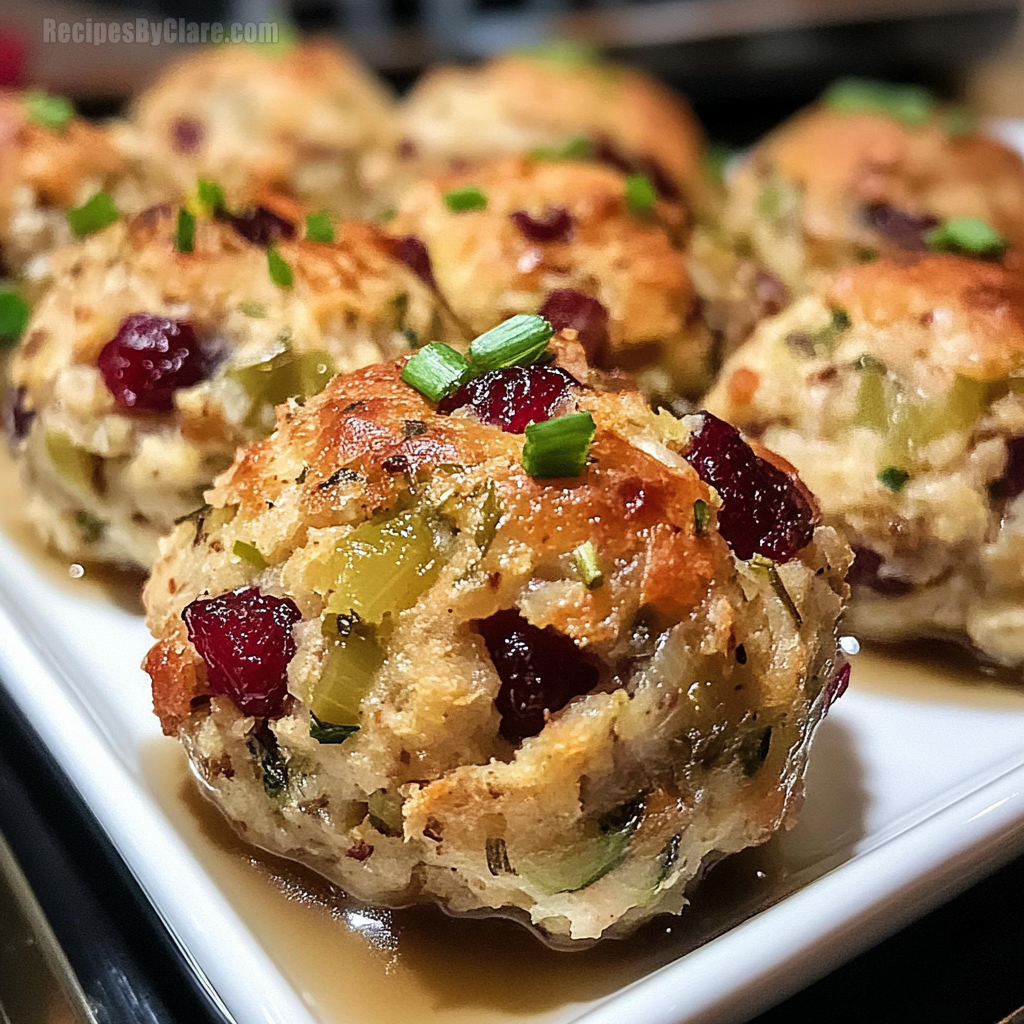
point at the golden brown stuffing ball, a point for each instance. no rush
(399, 650)
(896, 392)
(561, 237)
(142, 367)
(870, 169)
(305, 119)
(50, 161)
(556, 99)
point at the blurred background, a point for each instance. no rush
(743, 63)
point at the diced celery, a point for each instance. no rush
(577, 866)
(385, 812)
(872, 410)
(283, 375)
(487, 504)
(346, 677)
(73, 464)
(382, 567)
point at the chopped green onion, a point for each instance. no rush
(893, 479)
(328, 732)
(256, 310)
(701, 516)
(280, 272)
(867, 362)
(909, 104)
(211, 197)
(436, 370)
(565, 53)
(388, 214)
(641, 195)
(518, 341)
(558, 447)
(249, 553)
(841, 320)
(14, 314)
(94, 214)
(319, 228)
(469, 197)
(970, 236)
(53, 112)
(90, 527)
(588, 565)
(578, 147)
(185, 231)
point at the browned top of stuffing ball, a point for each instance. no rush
(974, 309)
(53, 162)
(842, 160)
(369, 438)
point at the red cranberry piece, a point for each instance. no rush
(245, 638)
(899, 227)
(606, 152)
(554, 226)
(261, 226)
(187, 135)
(149, 359)
(412, 251)
(1011, 483)
(17, 416)
(763, 510)
(837, 685)
(540, 670)
(566, 308)
(514, 397)
(869, 570)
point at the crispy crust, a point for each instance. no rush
(488, 269)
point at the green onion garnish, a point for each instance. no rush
(89, 526)
(185, 231)
(469, 197)
(893, 479)
(53, 112)
(909, 104)
(701, 516)
(588, 565)
(558, 447)
(249, 553)
(968, 235)
(280, 272)
(211, 197)
(641, 195)
(436, 370)
(328, 732)
(94, 214)
(578, 147)
(518, 341)
(319, 228)
(565, 53)
(14, 314)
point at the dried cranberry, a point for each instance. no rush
(899, 227)
(540, 670)
(17, 417)
(836, 686)
(260, 226)
(566, 308)
(763, 510)
(514, 397)
(554, 226)
(869, 570)
(359, 850)
(1011, 483)
(412, 251)
(245, 638)
(149, 359)
(187, 134)
(606, 152)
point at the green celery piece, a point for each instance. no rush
(574, 867)
(461, 200)
(74, 465)
(346, 678)
(93, 215)
(282, 375)
(14, 317)
(249, 553)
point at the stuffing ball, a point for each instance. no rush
(870, 169)
(307, 119)
(398, 648)
(143, 367)
(561, 237)
(555, 101)
(896, 392)
(50, 162)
